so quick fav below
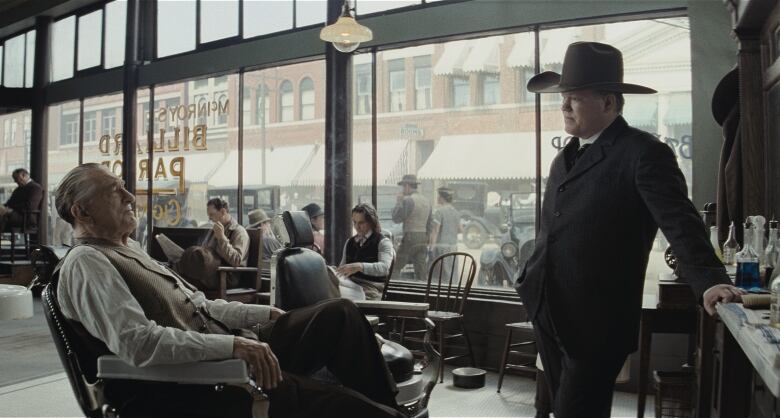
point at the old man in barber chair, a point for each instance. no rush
(147, 315)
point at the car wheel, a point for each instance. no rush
(473, 236)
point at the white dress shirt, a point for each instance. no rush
(379, 268)
(92, 292)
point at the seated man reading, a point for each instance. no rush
(227, 244)
(147, 315)
(368, 254)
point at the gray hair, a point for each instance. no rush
(75, 188)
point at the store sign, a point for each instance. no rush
(166, 169)
(177, 139)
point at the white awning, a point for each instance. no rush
(522, 54)
(552, 47)
(484, 55)
(282, 166)
(452, 58)
(392, 162)
(391, 156)
(509, 155)
(412, 51)
(200, 166)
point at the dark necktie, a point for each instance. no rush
(580, 152)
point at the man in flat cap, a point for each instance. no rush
(445, 228)
(317, 219)
(608, 192)
(414, 210)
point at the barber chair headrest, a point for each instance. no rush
(298, 227)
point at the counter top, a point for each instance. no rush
(756, 339)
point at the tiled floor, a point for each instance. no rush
(52, 397)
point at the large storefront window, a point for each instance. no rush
(189, 146)
(14, 149)
(656, 53)
(63, 155)
(284, 163)
(487, 154)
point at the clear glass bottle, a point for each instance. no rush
(759, 239)
(774, 305)
(748, 276)
(715, 243)
(772, 251)
(731, 246)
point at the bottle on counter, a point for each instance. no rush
(731, 246)
(748, 275)
(774, 304)
(759, 240)
(715, 243)
(772, 251)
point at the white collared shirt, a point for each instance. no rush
(591, 139)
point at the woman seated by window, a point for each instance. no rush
(367, 255)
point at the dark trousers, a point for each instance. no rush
(413, 249)
(332, 334)
(9, 220)
(581, 387)
(542, 401)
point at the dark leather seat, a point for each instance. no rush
(299, 277)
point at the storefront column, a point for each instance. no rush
(39, 144)
(130, 87)
(338, 144)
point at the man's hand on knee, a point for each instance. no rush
(262, 361)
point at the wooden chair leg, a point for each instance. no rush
(13, 246)
(441, 352)
(468, 341)
(504, 357)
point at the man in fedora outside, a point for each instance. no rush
(414, 210)
(607, 193)
(260, 220)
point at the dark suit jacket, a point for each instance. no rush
(26, 198)
(597, 228)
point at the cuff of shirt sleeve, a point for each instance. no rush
(702, 278)
(219, 347)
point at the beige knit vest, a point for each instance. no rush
(163, 296)
(417, 221)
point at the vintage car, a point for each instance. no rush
(499, 264)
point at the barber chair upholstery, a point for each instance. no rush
(90, 366)
(299, 278)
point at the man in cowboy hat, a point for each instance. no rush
(608, 192)
(259, 219)
(317, 219)
(414, 210)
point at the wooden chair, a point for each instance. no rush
(249, 283)
(447, 296)
(250, 279)
(528, 356)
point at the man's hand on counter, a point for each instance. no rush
(721, 293)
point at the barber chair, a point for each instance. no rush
(299, 278)
(89, 366)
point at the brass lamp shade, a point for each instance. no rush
(346, 34)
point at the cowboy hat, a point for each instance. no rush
(725, 96)
(257, 217)
(587, 65)
(409, 179)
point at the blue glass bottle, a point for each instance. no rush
(748, 275)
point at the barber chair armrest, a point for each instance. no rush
(233, 371)
(393, 308)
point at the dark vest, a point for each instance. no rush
(368, 253)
